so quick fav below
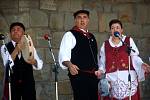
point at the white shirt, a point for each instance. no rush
(6, 56)
(119, 79)
(67, 44)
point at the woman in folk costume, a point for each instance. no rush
(123, 69)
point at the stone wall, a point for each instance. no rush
(55, 17)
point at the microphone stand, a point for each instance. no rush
(55, 70)
(10, 64)
(129, 49)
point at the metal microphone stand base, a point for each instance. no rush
(55, 70)
(9, 80)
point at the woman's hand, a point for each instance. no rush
(146, 67)
(98, 73)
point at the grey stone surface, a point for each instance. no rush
(63, 5)
(28, 4)
(75, 5)
(56, 21)
(141, 9)
(134, 30)
(38, 18)
(93, 25)
(3, 25)
(104, 19)
(55, 17)
(56, 38)
(68, 21)
(48, 4)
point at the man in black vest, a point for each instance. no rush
(22, 79)
(78, 54)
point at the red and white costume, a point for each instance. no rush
(113, 60)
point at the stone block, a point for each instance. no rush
(126, 1)
(9, 4)
(93, 25)
(28, 4)
(141, 14)
(143, 47)
(93, 5)
(24, 18)
(56, 17)
(143, 44)
(64, 87)
(38, 18)
(101, 37)
(48, 4)
(56, 38)
(148, 16)
(75, 5)
(9, 11)
(12, 18)
(45, 90)
(45, 74)
(3, 24)
(56, 21)
(63, 5)
(125, 11)
(146, 31)
(62, 74)
(104, 20)
(24, 9)
(69, 21)
(107, 7)
(131, 29)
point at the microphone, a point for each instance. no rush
(47, 37)
(2, 37)
(117, 34)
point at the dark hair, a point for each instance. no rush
(113, 21)
(17, 24)
(81, 11)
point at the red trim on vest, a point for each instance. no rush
(117, 57)
(86, 34)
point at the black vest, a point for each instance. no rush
(84, 54)
(21, 70)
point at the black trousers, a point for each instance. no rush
(85, 87)
(20, 89)
(23, 91)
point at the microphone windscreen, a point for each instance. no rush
(116, 34)
(46, 36)
(2, 37)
